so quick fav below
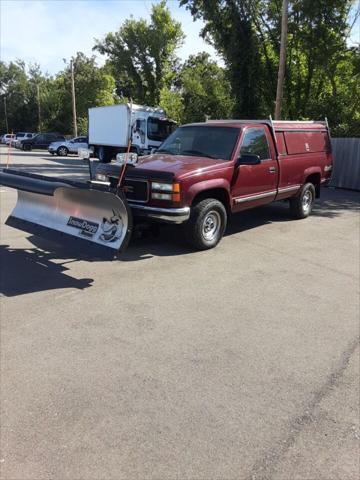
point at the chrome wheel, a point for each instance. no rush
(211, 225)
(62, 151)
(307, 201)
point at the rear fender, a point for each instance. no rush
(313, 175)
(311, 171)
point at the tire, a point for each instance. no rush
(62, 151)
(301, 205)
(104, 154)
(206, 225)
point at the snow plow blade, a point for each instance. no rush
(93, 219)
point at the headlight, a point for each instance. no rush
(100, 177)
(84, 153)
(158, 191)
(161, 196)
(131, 158)
(162, 187)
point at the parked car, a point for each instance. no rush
(40, 141)
(21, 136)
(63, 148)
(204, 172)
(7, 138)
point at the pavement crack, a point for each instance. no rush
(263, 469)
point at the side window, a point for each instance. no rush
(40, 139)
(255, 143)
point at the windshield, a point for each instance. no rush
(159, 129)
(204, 141)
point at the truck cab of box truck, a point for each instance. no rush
(204, 172)
(112, 127)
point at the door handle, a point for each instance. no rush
(272, 169)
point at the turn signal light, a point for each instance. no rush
(176, 197)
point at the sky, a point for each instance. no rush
(47, 31)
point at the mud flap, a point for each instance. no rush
(94, 219)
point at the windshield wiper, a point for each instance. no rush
(197, 152)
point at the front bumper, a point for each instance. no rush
(167, 215)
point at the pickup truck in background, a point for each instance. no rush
(204, 172)
(111, 127)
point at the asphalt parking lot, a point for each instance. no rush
(237, 363)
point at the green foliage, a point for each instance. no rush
(201, 91)
(94, 86)
(142, 54)
(322, 73)
(173, 104)
(229, 28)
(205, 90)
(82, 124)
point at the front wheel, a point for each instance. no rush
(62, 151)
(206, 225)
(301, 205)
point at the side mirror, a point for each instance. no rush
(248, 159)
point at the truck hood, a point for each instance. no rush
(180, 165)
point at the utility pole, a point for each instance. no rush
(282, 60)
(6, 118)
(39, 107)
(73, 97)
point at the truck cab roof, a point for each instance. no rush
(278, 125)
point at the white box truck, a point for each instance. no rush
(111, 128)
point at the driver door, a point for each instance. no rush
(39, 141)
(255, 185)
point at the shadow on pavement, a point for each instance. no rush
(163, 241)
(32, 270)
(334, 202)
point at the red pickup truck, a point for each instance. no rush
(204, 172)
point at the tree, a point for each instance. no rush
(282, 61)
(200, 90)
(172, 102)
(142, 55)
(94, 87)
(229, 28)
(322, 72)
(205, 89)
(27, 89)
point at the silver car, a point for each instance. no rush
(68, 146)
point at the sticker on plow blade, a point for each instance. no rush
(93, 217)
(86, 228)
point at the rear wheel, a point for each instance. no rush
(301, 205)
(62, 151)
(206, 225)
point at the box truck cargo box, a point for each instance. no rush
(112, 127)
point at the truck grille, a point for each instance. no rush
(136, 190)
